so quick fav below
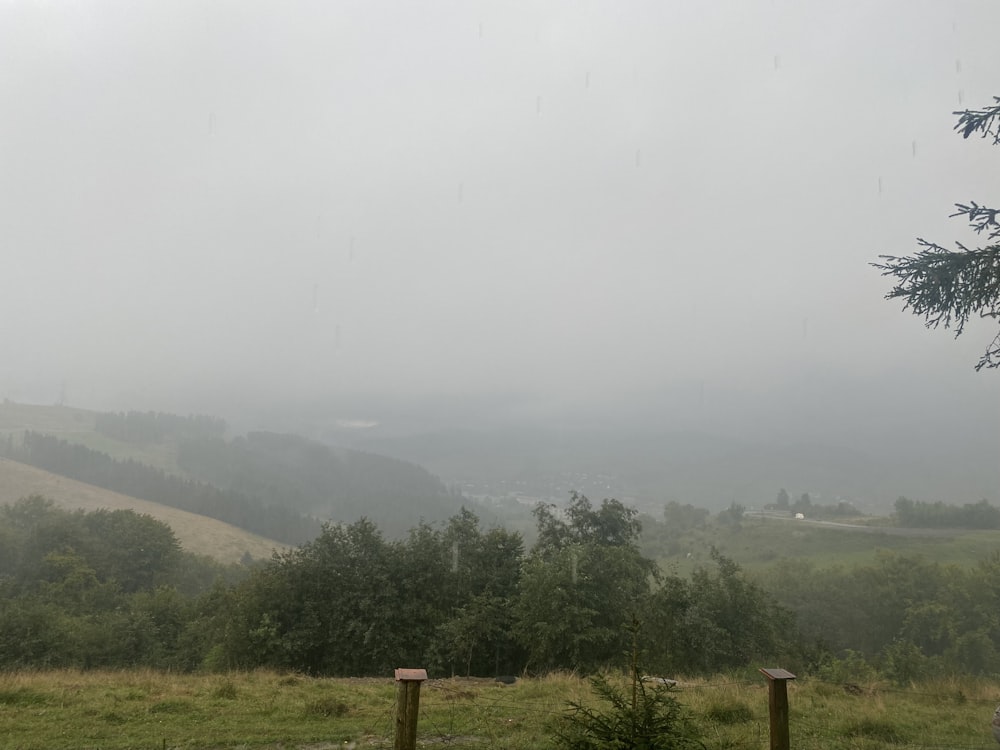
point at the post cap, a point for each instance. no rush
(777, 674)
(411, 675)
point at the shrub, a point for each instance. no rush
(650, 717)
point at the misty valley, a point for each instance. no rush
(609, 375)
(353, 563)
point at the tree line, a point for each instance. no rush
(105, 589)
(113, 589)
(271, 484)
(339, 484)
(455, 597)
(139, 480)
(916, 514)
(143, 428)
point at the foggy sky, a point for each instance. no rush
(658, 210)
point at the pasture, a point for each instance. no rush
(69, 710)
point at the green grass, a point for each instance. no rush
(757, 544)
(265, 710)
(78, 426)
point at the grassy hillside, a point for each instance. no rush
(263, 710)
(197, 534)
(271, 477)
(757, 542)
(78, 426)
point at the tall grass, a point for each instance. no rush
(68, 710)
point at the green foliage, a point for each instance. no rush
(850, 669)
(718, 620)
(948, 287)
(135, 479)
(937, 515)
(308, 477)
(584, 579)
(650, 717)
(111, 590)
(733, 515)
(574, 605)
(904, 663)
(92, 590)
(611, 525)
(906, 615)
(350, 602)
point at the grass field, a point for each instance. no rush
(197, 534)
(141, 709)
(757, 543)
(78, 426)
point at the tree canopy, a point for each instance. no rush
(948, 287)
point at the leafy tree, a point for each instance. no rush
(681, 518)
(948, 287)
(574, 604)
(484, 570)
(136, 550)
(352, 603)
(782, 502)
(473, 629)
(733, 515)
(612, 524)
(718, 620)
(584, 577)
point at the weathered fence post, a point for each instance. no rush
(777, 704)
(407, 707)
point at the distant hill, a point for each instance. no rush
(652, 468)
(336, 484)
(262, 478)
(197, 534)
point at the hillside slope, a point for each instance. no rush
(197, 534)
(278, 485)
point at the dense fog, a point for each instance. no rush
(365, 220)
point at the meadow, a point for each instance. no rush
(757, 543)
(70, 710)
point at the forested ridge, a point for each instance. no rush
(136, 479)
(336, 484)
(113, 589)
(276, 485)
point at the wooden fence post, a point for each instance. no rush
(777, 704)
(407, 707)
